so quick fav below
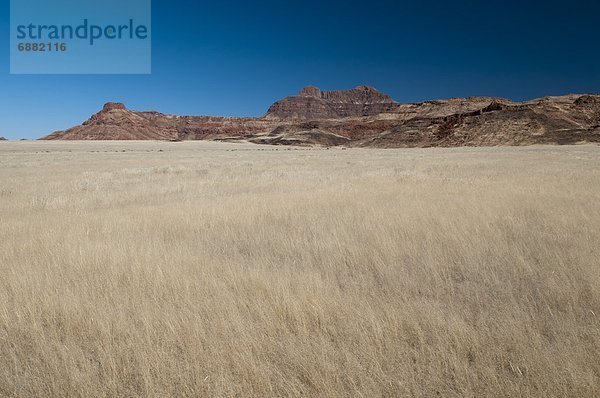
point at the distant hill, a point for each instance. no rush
(312, 103)
(364, 117)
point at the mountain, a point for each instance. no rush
(364, 117)
(116, 122)
(312, 103)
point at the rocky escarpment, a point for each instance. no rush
(116, 122)
(364, 117)
(312, 103)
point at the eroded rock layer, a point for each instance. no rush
(364, 117)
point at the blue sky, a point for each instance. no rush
(235, 58)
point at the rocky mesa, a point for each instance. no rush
(364, 117)
(312, 103)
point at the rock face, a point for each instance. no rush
(3, 139)
(116, 122)
(312, 103)
(112, 106)
(367, 118)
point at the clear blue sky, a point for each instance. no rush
(237, 57)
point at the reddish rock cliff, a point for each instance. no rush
(364, 117)
(312, 103)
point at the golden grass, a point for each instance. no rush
(204, 269)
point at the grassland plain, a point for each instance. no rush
(213, 269)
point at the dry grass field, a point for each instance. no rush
(206, 269)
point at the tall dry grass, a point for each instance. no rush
(198, 269)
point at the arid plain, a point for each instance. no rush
(230, 269)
